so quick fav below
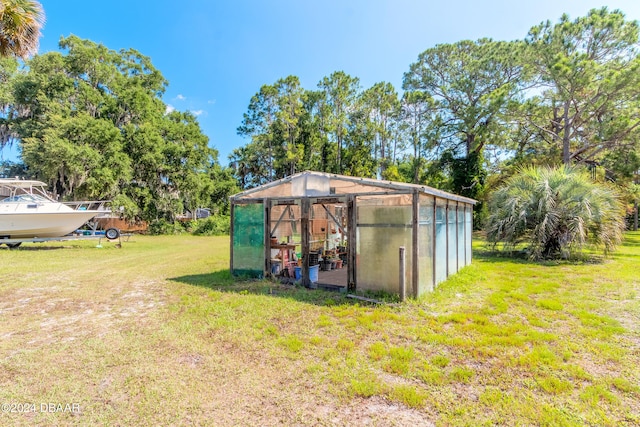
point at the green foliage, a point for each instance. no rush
(291, 343)
(216, 225)
(400, 360)
(377, 351)
(409, 395)
(550, 304)
(462, 374)
(440, 361)
(553, 385)
(9, 169)
(163, 227)
(471, 114)
(126, 207)
(471, 83)
(554, 213)
(92, 124)
(467, 178)
(365, 388)
(589, 72)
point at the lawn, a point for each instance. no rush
(157, 333)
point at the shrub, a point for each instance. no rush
(554, 212)
(162, 226)
(217, 225)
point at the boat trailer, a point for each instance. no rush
(109, 234)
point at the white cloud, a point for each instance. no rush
(197, 112)
(170, 108)
(181, 97)
(211, 101)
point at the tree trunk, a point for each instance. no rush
(416, 161)
(339, 159)
(566, 141)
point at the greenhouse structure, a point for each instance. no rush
(347, 233)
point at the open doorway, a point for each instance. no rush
(329, 240)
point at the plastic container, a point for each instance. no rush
(313, 273)
(275, 268)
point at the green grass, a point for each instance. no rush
(159, 333)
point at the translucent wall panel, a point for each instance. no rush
(441, 242)
(248, 239)
(461, 241)
(468, 228)
(307, 185)
(425, 245)
(452, 252)
(282, 189)
(384, 224)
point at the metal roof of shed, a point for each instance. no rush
(320, 184)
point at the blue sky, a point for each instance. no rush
(217, 54)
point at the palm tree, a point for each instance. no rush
(20, 24)
(554, 212)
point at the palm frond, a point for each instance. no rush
(556, 211)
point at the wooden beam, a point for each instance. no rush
(304, 231)
(287, 199)
(352, 221)
(329, 200)
(334, 219)
(267, 237)
(279, 219)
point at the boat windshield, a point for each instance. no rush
(26, 198)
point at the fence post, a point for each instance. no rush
(402, 274)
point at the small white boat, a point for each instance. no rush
(27, 211)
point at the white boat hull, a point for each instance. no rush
(42, 224)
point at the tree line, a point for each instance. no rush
(92, 124)
(470, 113)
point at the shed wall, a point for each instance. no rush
(425, 244)
(248, 239)
(384, 224)
(441, 241)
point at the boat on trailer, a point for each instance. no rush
(28, 212)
